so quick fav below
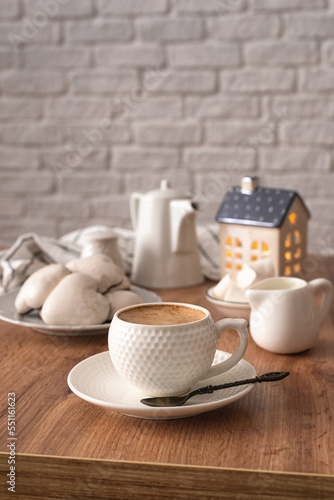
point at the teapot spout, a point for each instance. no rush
(135, 200)
(182, 220)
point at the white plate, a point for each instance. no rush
(230, 309)
(95, 380)
(33, 320)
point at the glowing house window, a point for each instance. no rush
(292, 250)
(287, 270)
(292, 218)
(297, 253)
(297, 267)
(297, 237)
(288, 255)
(233, 254)
(259, 250)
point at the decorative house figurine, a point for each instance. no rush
(258, 222)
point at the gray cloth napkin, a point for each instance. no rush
(31, 251)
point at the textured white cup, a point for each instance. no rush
(161, 360)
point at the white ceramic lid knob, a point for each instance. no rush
(165, 184)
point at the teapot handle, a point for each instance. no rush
(324, 287)
(134, 208)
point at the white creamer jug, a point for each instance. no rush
(285, 317)
(166, 253)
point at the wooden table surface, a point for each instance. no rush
(277, 442)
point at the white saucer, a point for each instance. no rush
(33, 320)
(95, 380)
(228, 308)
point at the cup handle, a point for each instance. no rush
(240, 325)
(325, 287)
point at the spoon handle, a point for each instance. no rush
(266, 377)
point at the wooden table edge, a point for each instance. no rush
(104, 479)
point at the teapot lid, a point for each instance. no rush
(166, 192)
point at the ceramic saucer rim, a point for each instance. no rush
(140, 410)
(226, 303)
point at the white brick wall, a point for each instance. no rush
(99, 98)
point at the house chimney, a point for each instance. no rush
(249, 184)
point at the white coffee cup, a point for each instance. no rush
(161, 359)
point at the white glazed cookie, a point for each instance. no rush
(122, 298)
(38, 286)
(75, 301)
(99, 267)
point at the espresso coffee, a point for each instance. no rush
(162, 314)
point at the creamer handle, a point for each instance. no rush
(325, 287)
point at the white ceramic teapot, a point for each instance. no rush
(166, 253)
(285, 317)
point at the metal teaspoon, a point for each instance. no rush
(180, 400)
